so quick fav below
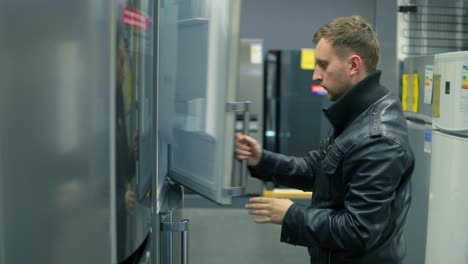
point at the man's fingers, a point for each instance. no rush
(261, 199)
(265, 220)
(259, 212)
(241, 157)
(245, 139)
(242, 146)
(248, 141)
(243, 154)
(243, 150)
(257, 205)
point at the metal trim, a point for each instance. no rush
(234, 191)
(181, 226)
(238, 106)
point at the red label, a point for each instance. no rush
(135, 19)
(317, 89)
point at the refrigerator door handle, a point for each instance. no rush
(459, 132)
(243, 107)
(184, 241)
(183, 227)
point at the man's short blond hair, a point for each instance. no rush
(352, 34)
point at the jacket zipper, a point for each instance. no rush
(329, 257)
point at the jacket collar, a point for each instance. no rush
(355, 101)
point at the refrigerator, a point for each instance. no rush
(293, 117)
(76, 140)
(417, 82)
(197, 109)
(447, 233)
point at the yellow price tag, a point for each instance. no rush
(307, 59)
(410, 92)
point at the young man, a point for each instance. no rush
(360, 176)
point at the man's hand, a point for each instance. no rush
(248, 149)
(130, 201)
(274, 209)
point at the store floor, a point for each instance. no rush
(228, 235)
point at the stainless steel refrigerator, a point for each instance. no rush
(417, 80)
(447, 235)
(76, 140)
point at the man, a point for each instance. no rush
(360, 176)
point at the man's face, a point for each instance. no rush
(331, 70)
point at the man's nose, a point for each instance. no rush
(317, 76)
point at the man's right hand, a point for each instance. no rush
(248, 149)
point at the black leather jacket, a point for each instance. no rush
(359, 178)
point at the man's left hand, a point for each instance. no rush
(274, 209)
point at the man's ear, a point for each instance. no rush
(355, 65)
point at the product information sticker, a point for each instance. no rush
(428, 80)
(256, 53)
(464, 90)
(427, 141)
(465, 77)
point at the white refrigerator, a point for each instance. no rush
(447, 235)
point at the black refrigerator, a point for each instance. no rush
(293, 116)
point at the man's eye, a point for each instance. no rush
(322, 65)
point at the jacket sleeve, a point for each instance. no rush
(295, 172)
(374, 171)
